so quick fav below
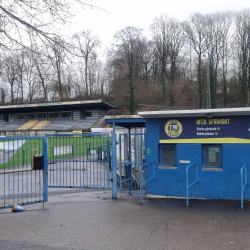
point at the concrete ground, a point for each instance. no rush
(91, 220)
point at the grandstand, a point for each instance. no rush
(28, 124)
(60, 117)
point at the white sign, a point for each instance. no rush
(63, 150)
(102, 130)
(185, 161)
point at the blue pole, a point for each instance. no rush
(120, 161)
(140, 185)
(241, 187)
(114, 175)
(129, 166)
(187, 186)
(45, 170)
(108, 159)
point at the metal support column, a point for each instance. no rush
(129, 166)
(45, 170)
(114, 175)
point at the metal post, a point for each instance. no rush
(108, 159)
(130, 165)
(208, 82)
(187, 203)
(114, 176)
(140, 185)
(120, 162)
(45, 169)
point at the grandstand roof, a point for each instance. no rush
(126, 121)
(57, 106)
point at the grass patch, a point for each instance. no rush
(58, 148)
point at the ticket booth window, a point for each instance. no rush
(212, 156)
(168, 155)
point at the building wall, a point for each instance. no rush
(96, 113)
(212, 184)
(2, 117)
(11, 118)
(77, 114)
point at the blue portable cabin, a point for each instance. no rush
(215, 144)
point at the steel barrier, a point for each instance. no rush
(131, 157)
(243, 181)
(20, 183)
(189, 185)
(78, 161)
(141, 181)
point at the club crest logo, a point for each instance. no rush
(173, 128)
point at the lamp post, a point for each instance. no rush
(209, 56)
(208, 82)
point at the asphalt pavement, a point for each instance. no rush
(92, 220)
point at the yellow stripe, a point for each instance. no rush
(207, 140)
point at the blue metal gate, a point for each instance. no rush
(20, 183)
(78, 161)
(131, 157)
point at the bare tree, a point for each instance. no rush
(2, 96)
(21, 68)
(143, 64)
(58, 56)
(243, 55)
(124, 54)
(225, 52)
(10, 74)
(169, 40)
(87, 46)
(31, 78)
(43, 70)
(195, 31)
(217, 32)
(39, 17)
(159, 30)
(176, 43)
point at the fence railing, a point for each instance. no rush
(131, 157)
(129, 173)
(20, 181)
(187, 179)
(79, 161)
(144, 183)
(243, 181)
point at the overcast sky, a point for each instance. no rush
(140, 13)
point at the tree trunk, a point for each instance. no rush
(132, 104)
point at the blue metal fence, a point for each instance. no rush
(19, 182)
(141, 176)
(243, 182)
(79, 161)
(131, 157)
(187, 179)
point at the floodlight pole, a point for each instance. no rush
(208, 82)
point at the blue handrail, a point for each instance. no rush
(243, 181)
(141, 184)
(131, 165)
(188, 186)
